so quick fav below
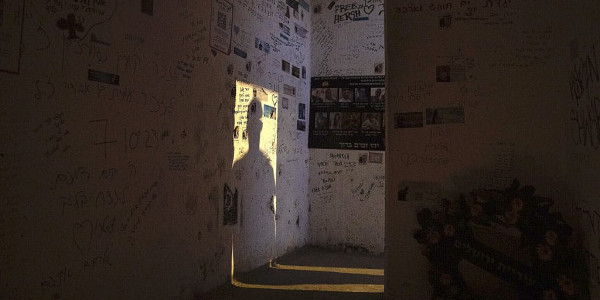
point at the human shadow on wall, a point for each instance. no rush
(254, 179)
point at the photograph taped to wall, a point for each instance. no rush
(221, 26)
(301, 111)
(354, 121)
(408, 120)
(270, 112)
(11, 35)
(445, 115)
(301, 125)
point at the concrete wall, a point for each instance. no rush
(511, 65)
(116, 189)
(346, 197)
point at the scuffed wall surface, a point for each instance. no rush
(507, 65)
(583, 117)
(346, 197)
(117, 151)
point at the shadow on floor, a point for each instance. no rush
(309, 273)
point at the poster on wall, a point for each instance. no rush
(347, 113)
(11, 31)
(220, 26)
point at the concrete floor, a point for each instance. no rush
(309, 273)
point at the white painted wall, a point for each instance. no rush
(346, 198)
(116, 191)
(518, 57)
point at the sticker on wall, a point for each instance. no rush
(239, 52)
(445, 21)
(103, 77)
(221, 26)
(148, 7)
(289, 90)
(285, 102)
(295, 71)
(11, 34)
(450, 73)
(301, 125)
(300, 31)
(301, 111)
(284, 28)
(230, 206)
(262, 45)
(375, 157)
(331, 4)
(445, 115)
(408, 120)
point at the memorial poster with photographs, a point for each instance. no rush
(347, 113)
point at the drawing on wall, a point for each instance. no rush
(221, 26)
(11, 33)
(230, 206)
(347, 113)
(71, 25)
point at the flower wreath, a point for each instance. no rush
(554, 267)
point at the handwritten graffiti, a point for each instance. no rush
(585, 113)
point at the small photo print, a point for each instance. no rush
(295, 71)
(361, 95)
(320, 95)
(301, 125)
(301, 111)
(371, 122)
(346, 95)
(285, 66)
(345, 121)
(285, 102)
(375, 158)
(321, 121)
(378, 94)
(270, 112)
(303, 72)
